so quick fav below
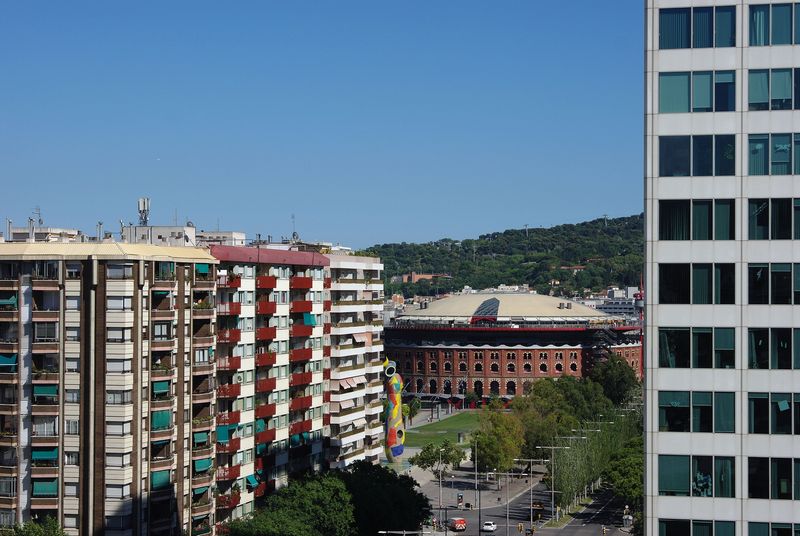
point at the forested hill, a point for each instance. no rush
(610, 250)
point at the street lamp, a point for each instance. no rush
(530, 498)
(508, 500)
(552, 476)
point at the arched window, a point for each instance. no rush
(495, 367)
(478, 367)
(494, 355)
(420, 366)
(462, 387)
(407, 365)
(434, 367)
(543, 367)
(511, 388)
(462, 367)
(526, 367)
(494, 388)
(573, 367)
(420, 384)
(511, 367)
(511, 355)
(527, 355)
(448, 366)
(573, 355)
(432, 385)
(446, 387)
(542, 355)
(559, 355)
(478, 388)
(559, 367)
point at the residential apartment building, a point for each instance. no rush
(722, 204)
(272, 355)
(356, 369)
(105, 381)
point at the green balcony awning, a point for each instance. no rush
(160, 442)
(200, 490)
(309, 319)
(261, 448)
(223, 435)
(306, 436)
(161, 419)
(159, 479)
(45, 454)
(45, 390)
(203, 464)
(160, 293)
(8, 360)
(201, 268)
(161, 387)
(200, 437)
(252, 481)
(294, 440)
(261, 425)
(45, 488)
(9, 301)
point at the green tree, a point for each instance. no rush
(438, 457)
(625, 472)
(414, 408)
(616, 377)
(497, 439)
(48, 527)
(384, 500)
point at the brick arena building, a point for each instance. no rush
(499, 344)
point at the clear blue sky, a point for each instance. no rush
(370, 121)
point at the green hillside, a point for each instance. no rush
(610, 249)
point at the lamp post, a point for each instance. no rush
(552, 476)
(530, 498)
(477, 492)
(508, 501)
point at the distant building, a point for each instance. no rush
(414, 277)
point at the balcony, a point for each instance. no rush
(326, 283)
(199, 452)
(301, 402)
(300, 427)
(267, 436)
(299, 355)
(301, 330)
(266, 359)
(301, 306)
(300, 378)
(229, 390)
(264, 307)
(229, 336)
(202, 310)
(266, 385)
(300, 282)
(229, 473)
(229, 417)
(266, 333)
(229, 281)
(228, 500)
(201, 507)
(229, 309)
(232, 363)
(162, 344)
(265, 410)
(161, 372)
(231, 447)
(203, 395)
(266, 282)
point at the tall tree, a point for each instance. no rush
(48, 527)
(497, 439)
(616, 378)
(437, 458)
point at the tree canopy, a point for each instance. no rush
(437, 457)
(616, 377)
(497, 438)
(48, 527)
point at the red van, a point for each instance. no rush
(457, 524)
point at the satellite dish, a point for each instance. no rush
(189, 224)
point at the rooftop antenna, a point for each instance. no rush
(293, 221)
(144, 211)
(605, 217)
(526, 230)
(38, 212)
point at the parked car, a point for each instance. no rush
(457, 524)
(489, 526)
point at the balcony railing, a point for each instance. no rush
(301, 330)
(266, 436)
(266, 333)
(264, 307)
(265, 410)
(229, 473)
(229, 336)
(300, 354)
(300, 282)
(229, 417)
(229, 281)
(228, 500)
(230, 447)
(301, 402)
(232, 363)
(229, 390)
(301, 306)
(266, 359)
(266, 281)
(229, 309)
(300, 378)
(266, 385)
(300, 427)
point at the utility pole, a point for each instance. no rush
(508, 501)
(552, 476)
(530, 497)
(440, 487)
(477, 493)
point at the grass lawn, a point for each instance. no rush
(436, 432)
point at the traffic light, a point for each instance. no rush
(605, 530)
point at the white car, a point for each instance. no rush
(489, 526)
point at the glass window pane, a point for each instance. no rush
(702, 346)
(673, 220)
(673, 527)
(781, 478)
(673, 411)
(673, 92)
(796, 358)
(724, 283)
(758, 155)
(702, 479)
(673, 348)
(781, 154)
(724, 155)
(758, 478)
(701, 91)
(724, 477)
(758, 89)
(758, 284)
(725, 26)
(673, 155)
(724, 91)
(757, 529)
(758, 219)
(702, 27)
(782, 24)
(781, 219)
(673, 475)
(781, 348)
(702, 156)
(781, 413)
(701, 220)
(673, 286)
(758, 342)
(702, 413)
(759, 25)
(674, 28)
(724, 413)
(724, 528)
(724, 224)
(781, 84)
(758, 413)
(701, 528)
(724, 347)
(781, 283)
(797, 219)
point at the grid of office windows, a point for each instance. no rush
(699, 91)
(696, 411)
(773, 413)
(685, 527)
(697, 219)
(771, 478)
(699, 156)
(698, 476)
(773, 348)
(771, 154)
(755, 528)
(773, 219)
(776, 24)
(773, 283)
(773, 89)
(699, 283)
(701, 27)
(697, 348)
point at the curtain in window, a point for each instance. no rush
(724, 413)
(781, 82)
(758, 89)
(724, 347)
(723, 219)
(759, 25)
(674, 28)
(725, 27)
(701, 220)
(796, 475)
(702, 156)
(781, 154)
(759, 159)
(782, 24)
(701, 91)
(673, 220)
(673, 475)
(701, 528)
(703, 27)
(666, 355)
(701, 283)
(673, 92)
(723, 476)
(781, 476)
